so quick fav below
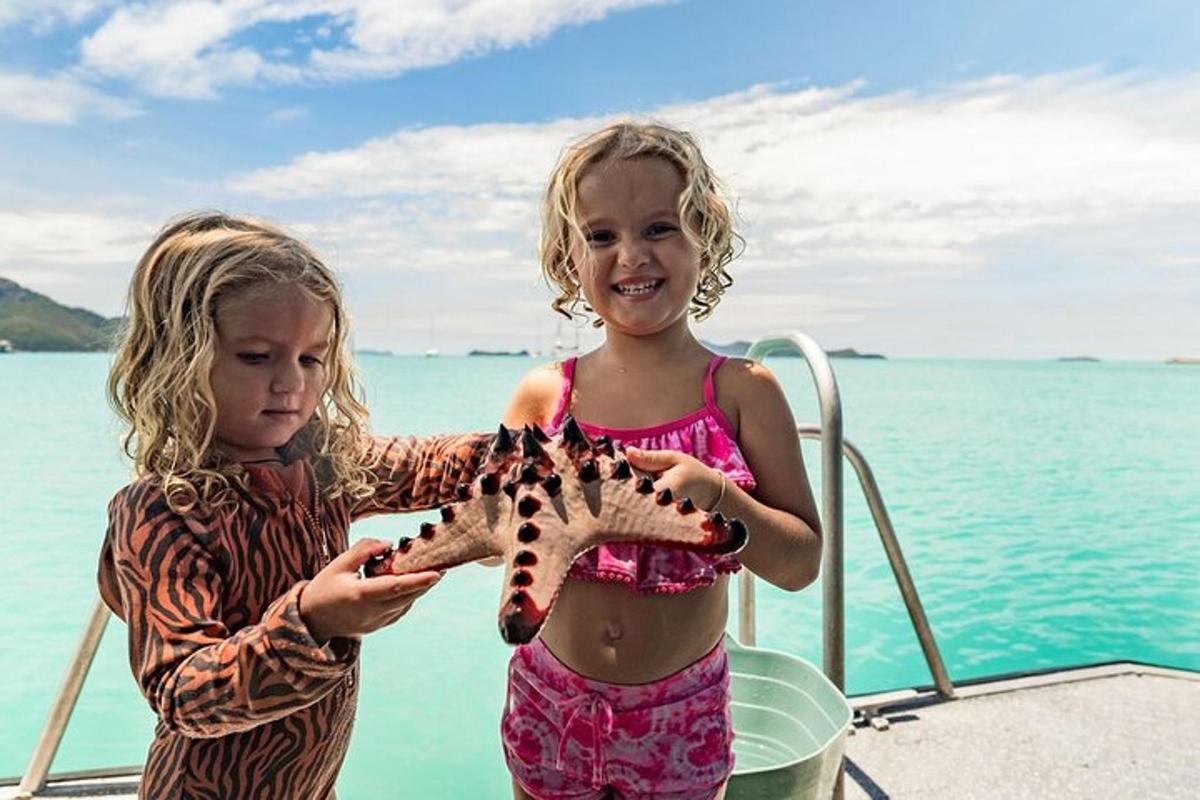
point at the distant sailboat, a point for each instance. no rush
(430, 350)
(560, 350)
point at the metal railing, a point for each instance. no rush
(833, 448)
(34, 779)
(833, 611)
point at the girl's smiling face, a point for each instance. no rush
(268, 371)
(637, 269)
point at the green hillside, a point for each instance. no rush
(31, 321)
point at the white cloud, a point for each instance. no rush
(926, 178)
(175, 49)
(184, 48)
(850, 202)
(79, 258)
(864, 215)
(57, 100)
(502, 160)
(289, 114)
(389, 38)
(28, 238)
(832, 176)
(43, 15)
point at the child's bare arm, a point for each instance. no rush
(535, 398)
(785, 544)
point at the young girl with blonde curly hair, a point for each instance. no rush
(228, 556)
(626, 691)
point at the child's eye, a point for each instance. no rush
(600, 237)
(310, 361)
(659, 229)
(252, 358)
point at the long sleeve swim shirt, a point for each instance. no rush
(249, 705)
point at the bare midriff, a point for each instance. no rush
(608, 632)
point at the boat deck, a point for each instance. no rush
(1118, 730)
(84, 787)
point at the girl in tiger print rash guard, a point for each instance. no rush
(228, 555)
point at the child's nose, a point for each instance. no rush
(287, 378)
(632, 254)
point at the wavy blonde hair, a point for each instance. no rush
(159, 382)
(704, 213)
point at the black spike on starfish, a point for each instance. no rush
(531, 448)
(573, 435)
(566, 498)
(503, 442)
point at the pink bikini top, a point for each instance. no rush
(705, 434)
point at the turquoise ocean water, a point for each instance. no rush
(1050, 514)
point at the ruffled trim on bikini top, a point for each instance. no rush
(707, 435)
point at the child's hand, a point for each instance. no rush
(339, 602)
(682, 474)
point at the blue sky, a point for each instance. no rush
(1010, 179)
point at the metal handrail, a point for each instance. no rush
(833, 448)
(895, 558)
(833, 612)
(34, 779)
(891, 546)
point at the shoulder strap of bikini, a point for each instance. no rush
(564, 398)
(710, 392)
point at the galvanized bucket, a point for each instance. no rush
(790, 725)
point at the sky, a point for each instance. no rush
(919, 179)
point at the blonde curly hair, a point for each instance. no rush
(159, 384)
(704, 213)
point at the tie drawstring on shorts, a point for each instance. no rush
(587, 708)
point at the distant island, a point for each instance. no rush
(368, 352)
(740, 347)
(498, 353)
(32, 322)
(1088, 359)
(1192, 360)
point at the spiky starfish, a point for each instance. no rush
(538, 506)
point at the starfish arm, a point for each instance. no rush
(538, 503)
(539, 548)
(462, 536)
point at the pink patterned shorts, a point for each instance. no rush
(568, 738)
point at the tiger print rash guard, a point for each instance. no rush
(248, 703)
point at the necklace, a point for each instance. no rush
(316, 520)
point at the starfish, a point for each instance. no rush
(541, 502)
